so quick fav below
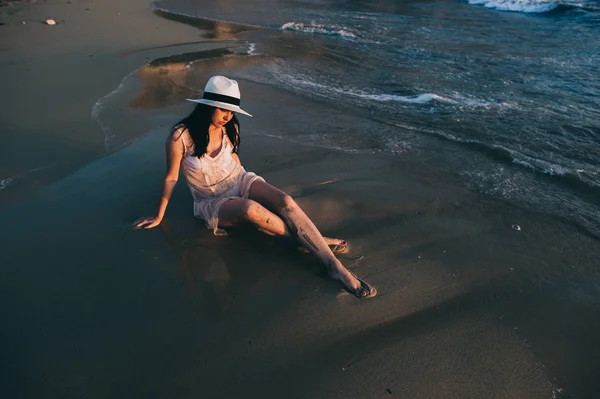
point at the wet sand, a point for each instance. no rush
(53, 75)
(467, 306)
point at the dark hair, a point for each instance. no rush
(198, 123)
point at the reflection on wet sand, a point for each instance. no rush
(203, 269)
(170, 80)
(220, 271)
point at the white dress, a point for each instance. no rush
(213, 181)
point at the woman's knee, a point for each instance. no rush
(251, 210)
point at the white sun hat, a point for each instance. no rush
(221, 92)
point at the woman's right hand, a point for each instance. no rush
(146, 223)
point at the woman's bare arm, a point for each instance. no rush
(174, 151)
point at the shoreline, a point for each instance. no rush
(59, 72)
(92, 308)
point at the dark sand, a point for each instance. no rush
(467, 306)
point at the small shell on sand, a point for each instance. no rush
(50, 22)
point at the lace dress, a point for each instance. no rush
(213, 181)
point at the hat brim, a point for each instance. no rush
(218, 104)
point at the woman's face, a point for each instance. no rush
(221, 117)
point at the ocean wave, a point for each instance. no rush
(565, 175)
(533, 6)
(319, 29)
(537, 164)
(415, 99)
(456, 99)
(425, 98)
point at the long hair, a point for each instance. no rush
(198, 123)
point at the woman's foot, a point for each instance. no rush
(357, 287)
(336, 245)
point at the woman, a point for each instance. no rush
(205, 144)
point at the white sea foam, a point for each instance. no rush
(320, 29)
(416, 99)
(423, 98)
(5, 183)
(533, 6)
(587, 7)
(99, 106)
(252, 49)
(541, 166)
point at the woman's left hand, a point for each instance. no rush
(146, 222)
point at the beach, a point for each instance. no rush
(478, 296)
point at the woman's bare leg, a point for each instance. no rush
(235, 211)
(303, 229)
(242, 210)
